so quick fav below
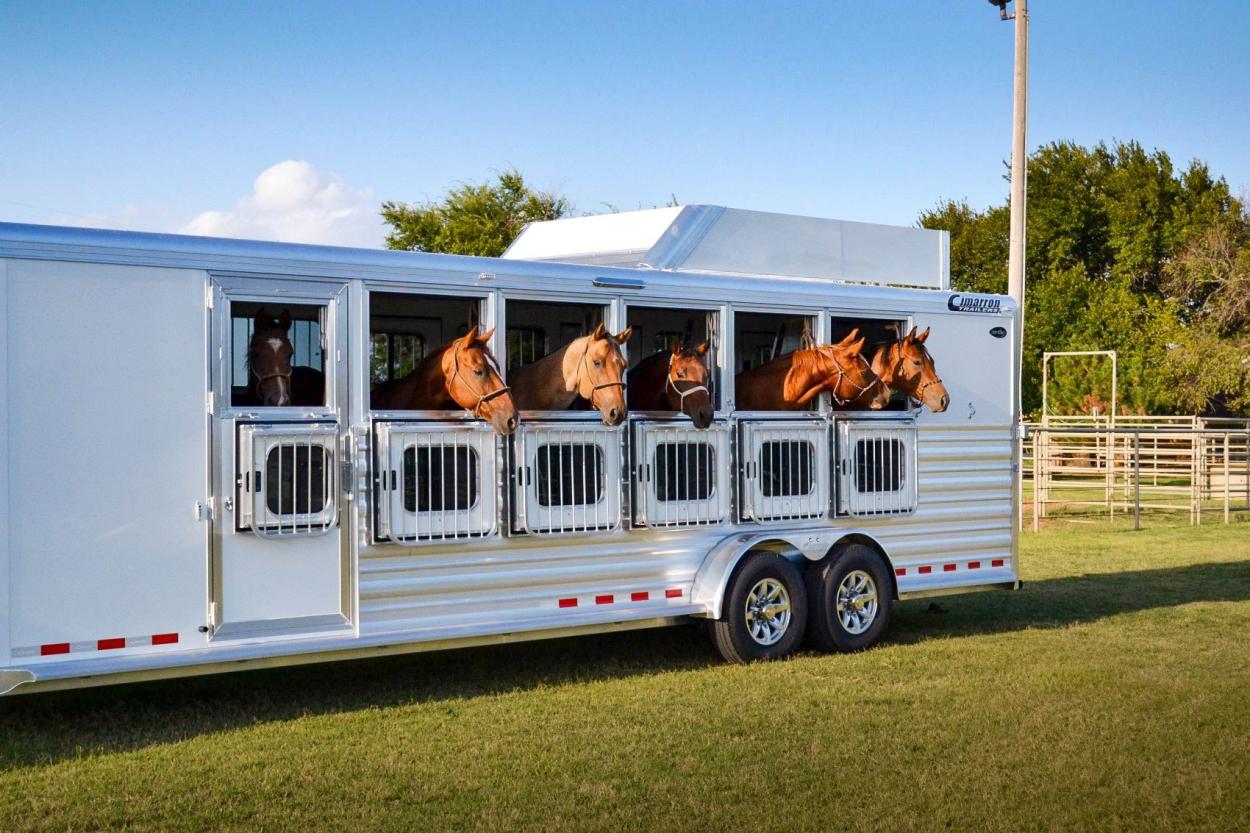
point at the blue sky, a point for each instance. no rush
(149, 115)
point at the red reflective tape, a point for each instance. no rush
(997, 562)
(926, 570)
(604, 600)
(54, 648)
(672, 594)
(164, 638)
(900, 571)
(639, 597)
(110, 644)
(950, 568)
(568, 603)
(974, 565)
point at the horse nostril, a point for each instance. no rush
(511, 423)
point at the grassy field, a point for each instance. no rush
(1112, 693)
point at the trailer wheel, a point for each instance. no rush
(765, 610)
(850, 600)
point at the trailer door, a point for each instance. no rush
(280, 545)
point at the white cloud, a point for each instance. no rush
(295, 202)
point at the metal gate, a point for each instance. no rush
(435, 481)
(784, 468)
(567, 477)
(681, 474)
(876, 467)
(285, 483)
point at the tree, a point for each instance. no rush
(471, 219)
(1124, 253)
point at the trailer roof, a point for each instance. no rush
(733, 241)
(230, 255)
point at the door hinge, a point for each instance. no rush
(205, 510)
(209, 402)
(208, 296)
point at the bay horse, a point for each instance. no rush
(590, 368)
(790, 382)
(272, 381)
(675, 380)
(906, 366)
(461, 374)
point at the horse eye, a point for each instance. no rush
(481, 371)
(598, 362)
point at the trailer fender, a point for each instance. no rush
(811, 544)
(11, 678)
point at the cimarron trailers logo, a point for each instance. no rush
(974, 303)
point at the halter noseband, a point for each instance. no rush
(483, 398)
(842, 377)
(682, 394)
(919, 394)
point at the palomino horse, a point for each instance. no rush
(673, 381)
(906, 366)
(462, 374)
(789, 382)
(272, 381)
(590, 367)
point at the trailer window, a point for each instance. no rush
(406, 327)
(539, 328)
(684, 471)
(877, 333)
(569, 474)
(440, 479)
(296, 479)
(525, 345)
(786, 468)
(285, 360)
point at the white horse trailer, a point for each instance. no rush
(153, 523)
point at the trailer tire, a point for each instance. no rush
(850, 600)
(765, 611)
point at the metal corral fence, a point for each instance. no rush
(1083, 467)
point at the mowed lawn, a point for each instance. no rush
(1112, 693)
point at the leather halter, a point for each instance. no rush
(595, 388)
(682, 394)
(842, 377)
(918, 396)
(482, 398)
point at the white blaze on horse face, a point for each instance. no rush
(275, 344)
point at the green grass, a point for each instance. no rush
(1112, 693)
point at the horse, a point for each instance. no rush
(906, 366)
(461, 374)
(272, 381)
(673, 381)
(789, 382)
(590, 368)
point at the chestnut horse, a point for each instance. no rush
(673, 381)
(789, 382)
(590, 368)
(462, 374)
(906, 366)
(272, 381)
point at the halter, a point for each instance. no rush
(842, 377)
(483, 398)
(595, 388)
(682, 394)
(261, 379)
(918, 396)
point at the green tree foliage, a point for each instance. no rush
(1125, 253)
(471, 219)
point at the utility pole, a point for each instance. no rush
(1019, 149)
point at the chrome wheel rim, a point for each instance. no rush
(768, 611)
(857, 602)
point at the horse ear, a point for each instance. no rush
(910, 336)
(623, 335)
(920, 338)
(469, 337)
(856, 347)
(850, 337)
(484, 338)
(284, 320)
(262, 314)
(703, 348)
(599, 332)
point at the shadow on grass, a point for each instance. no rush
(46, 728)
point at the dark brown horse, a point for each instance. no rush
(462, 374)
(790, 382)
(590, 368)
(906, 366)
(675, 380)
(272, 381)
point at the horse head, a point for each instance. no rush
(911, 370)
(269, 357)
(472, 378)
(600, 373)
(686, 383)
(853, 381)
